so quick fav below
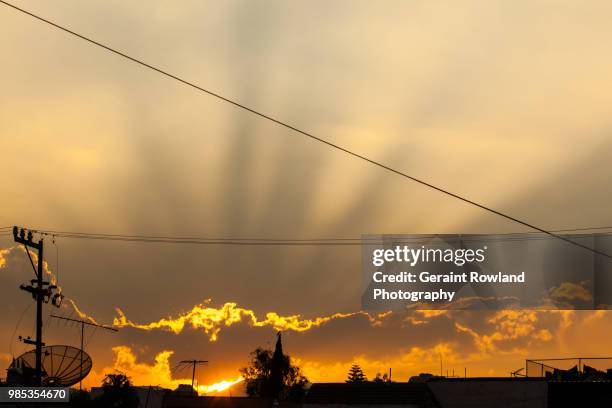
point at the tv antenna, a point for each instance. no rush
(83, 323)
(60, 365)
(194, 363)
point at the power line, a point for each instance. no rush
(305, 133)
(196, 238)
(335, 241)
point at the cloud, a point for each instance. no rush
(510, 332)
(480, 340)
(211, 320)
(7, 256)
(5, 358)
(3, 255)
(46, 270)
(515, 329)
(157, 373)
(570, 291)
(80, 313)
(419, 317)
(413, 360)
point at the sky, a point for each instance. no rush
(505, 103)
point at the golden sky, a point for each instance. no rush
(506, 103)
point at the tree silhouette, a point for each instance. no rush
(381, 378)
(356, 375)
(271, 375)
(117, 392)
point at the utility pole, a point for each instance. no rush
(194, 363)
(39, 292)
(83, 323)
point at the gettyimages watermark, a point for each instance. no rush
(505, 271)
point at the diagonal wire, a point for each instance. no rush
(90, 337)
(17, 328)
(305, 133)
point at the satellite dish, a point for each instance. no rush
(62, 366)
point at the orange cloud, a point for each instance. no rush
(406, 363)
(425, 316)
(509, 325)
(3, 254)
(46, 270)
(211, 320)
(158, 373)
(80, 313)
(51, 276)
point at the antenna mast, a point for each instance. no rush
(83, 323)
(194, 363)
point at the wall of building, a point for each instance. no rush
(490, 393)
(359, 406)
(171, 401)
